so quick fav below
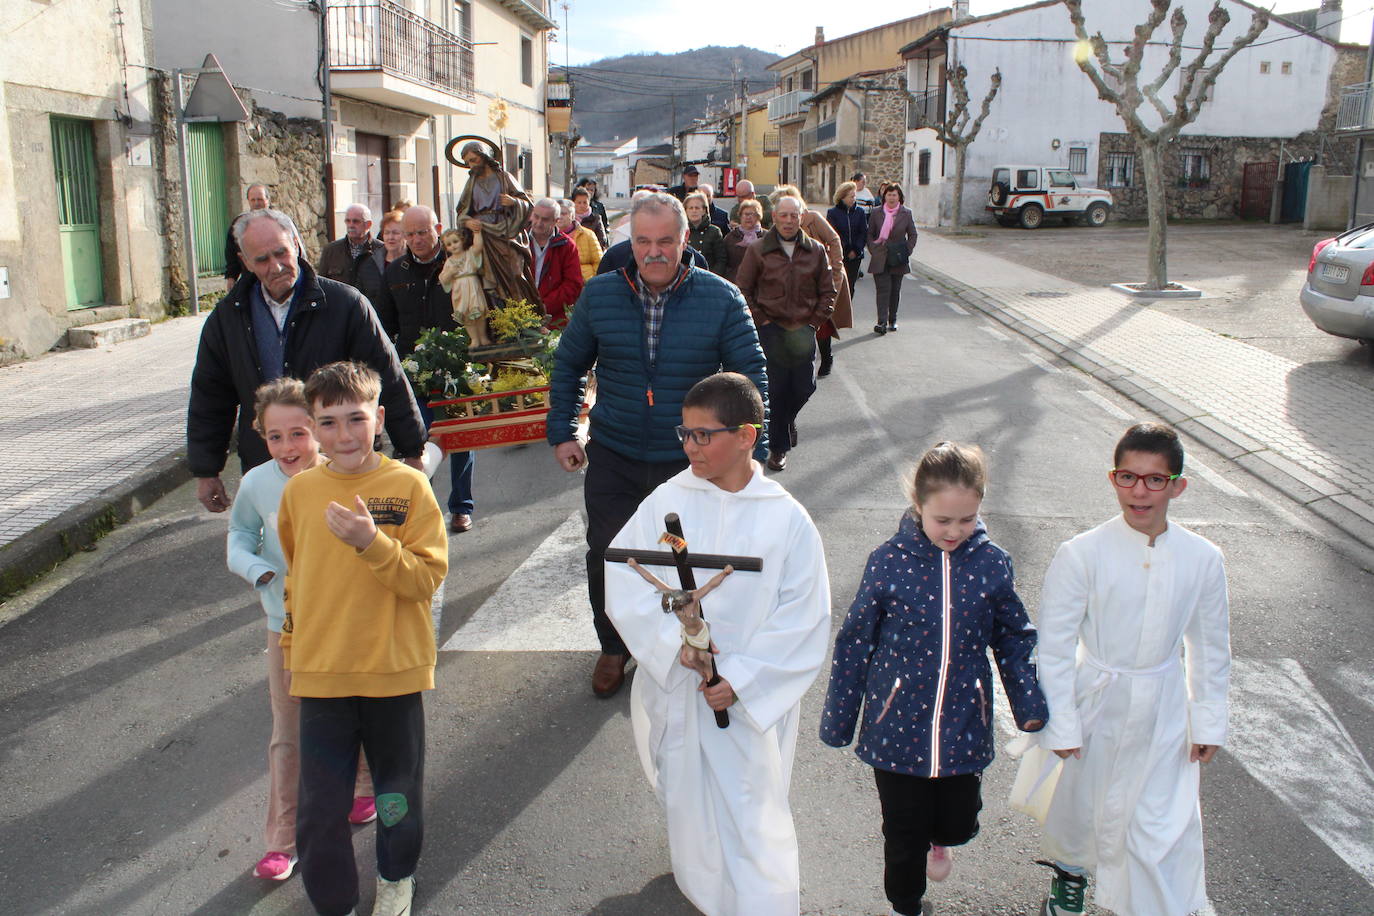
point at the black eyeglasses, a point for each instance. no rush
(702, 436)
(1126, 479)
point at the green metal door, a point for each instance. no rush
(78, 210)
(209, 208)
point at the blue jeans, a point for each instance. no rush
(460, 465)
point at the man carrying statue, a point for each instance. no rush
(493, 197)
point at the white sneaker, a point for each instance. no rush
(393, 897)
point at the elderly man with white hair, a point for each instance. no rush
(653, 329)
(342, 257)
(279, 319)
(554, 263)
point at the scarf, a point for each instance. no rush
(888, 214)
(749, 236)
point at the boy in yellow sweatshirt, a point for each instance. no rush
(365, 550)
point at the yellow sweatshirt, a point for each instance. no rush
(358, 621)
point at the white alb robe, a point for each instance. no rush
(730, 830)
(1114, 615)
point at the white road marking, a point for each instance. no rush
(1215, 478)
(1290, 739)
(932, 290)
(1105, 404)
(541, 607)
(956, 309)
(993, 332)
(1039, 362)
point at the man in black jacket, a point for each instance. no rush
(258, 199)
(411, 301)
(690, 176)
(341, 258)
(281, 319)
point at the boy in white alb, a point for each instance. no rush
(1135, 662)
(730, 831)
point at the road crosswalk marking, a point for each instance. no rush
(993, 332)
(956, 309)
(541, 607)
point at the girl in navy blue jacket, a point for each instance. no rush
(912, 652)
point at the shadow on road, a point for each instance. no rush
(660, 897)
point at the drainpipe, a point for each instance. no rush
(187, 220)
(325, 122)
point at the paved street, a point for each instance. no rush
(133, 697)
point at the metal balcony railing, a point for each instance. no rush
(822, 135)
(924, 104)
(788, 105)
(381, 35)
(772, 143)
(1354, 112)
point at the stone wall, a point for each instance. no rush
(884, 129)
(1219, 197)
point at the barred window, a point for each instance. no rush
(1121, 170)
(1078, 160)
(1195, 169)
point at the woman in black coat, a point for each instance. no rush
(851, 224)
(891, 240)
(703, 235)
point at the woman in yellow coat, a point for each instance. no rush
(588, 248)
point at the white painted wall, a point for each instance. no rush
(1045, 97)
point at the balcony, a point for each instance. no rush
(818, 138)
(1355, 112)
(789, 105)
(381, 52)
(925, 104)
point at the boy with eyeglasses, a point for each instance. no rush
(724, 790)
(1135, 662)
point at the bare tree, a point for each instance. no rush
(1120, 84)
(956, 130)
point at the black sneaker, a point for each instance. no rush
(892, 327)
(880, 329)
(1066, 892)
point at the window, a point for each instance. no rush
(1196, 171)
(1121, 170)
(1286, 68)
(923, 167)
(1060, 178)
(462, 19)
(527, 60)
(1078, 160)
(806, 80)
(1196, 91)
(1027, 179)
(789, 84)
(527, 169)
(1264, 66)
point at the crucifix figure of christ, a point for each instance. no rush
(685, 601)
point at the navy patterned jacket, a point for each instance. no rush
(913, 653)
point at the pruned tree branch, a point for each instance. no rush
(956, 129)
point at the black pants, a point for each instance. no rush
(791, 364)
(851, 270)
(391, 731)
(889, 290)
(613, 490)
(917, 813)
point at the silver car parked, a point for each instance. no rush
(1339, 292)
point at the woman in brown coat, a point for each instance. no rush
(787, 281)
(816, 226)
(891, 240)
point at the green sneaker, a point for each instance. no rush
(1066, 891)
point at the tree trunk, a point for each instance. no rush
(960, 156)
(1157, 206)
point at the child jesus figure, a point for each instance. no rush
(461, 278)
(724, 790)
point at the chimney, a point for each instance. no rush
(820, 33)
(1329, 20)
(961, 9)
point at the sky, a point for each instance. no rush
(609, 28)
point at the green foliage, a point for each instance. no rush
(439, 363)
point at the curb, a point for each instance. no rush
(35, 553)
(1323, 498)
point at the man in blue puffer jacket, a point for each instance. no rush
(653, 329)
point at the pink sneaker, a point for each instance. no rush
(939, 863)
(364, 810)
(275, 866)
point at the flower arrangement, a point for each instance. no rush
(439, 364)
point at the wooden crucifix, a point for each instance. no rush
(686, 600)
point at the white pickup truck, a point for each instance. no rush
(1025, 195)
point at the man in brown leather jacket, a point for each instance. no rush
(786, 279)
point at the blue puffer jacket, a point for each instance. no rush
(913, 652)
(706, 329)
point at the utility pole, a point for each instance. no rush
(672, 157)
(743, 127)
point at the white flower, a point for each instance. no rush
(410, 365)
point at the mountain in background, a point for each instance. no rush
(644, 94)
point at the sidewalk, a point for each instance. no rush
(89, 438)
(1299, 428)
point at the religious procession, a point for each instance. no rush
(837, 545)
